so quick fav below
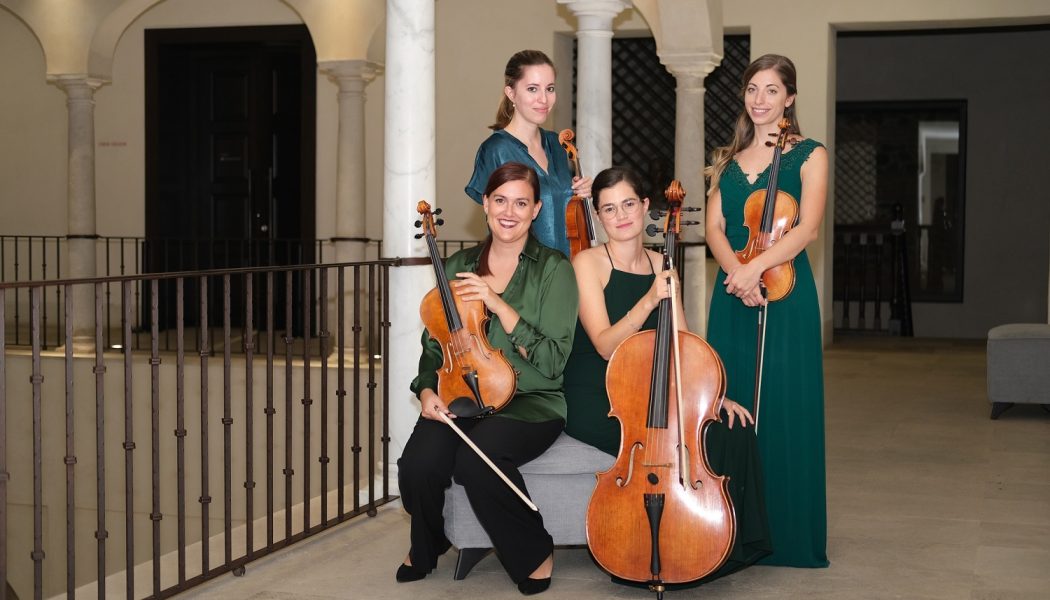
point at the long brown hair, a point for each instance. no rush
(512, 74)
(510, 171)
(744, 131)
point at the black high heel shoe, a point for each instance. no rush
(406, 573)
(530, 586)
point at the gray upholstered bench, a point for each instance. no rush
(1018, 365)
(560, 482)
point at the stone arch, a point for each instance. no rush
(108, 34)
(344, 30)
(29, 27)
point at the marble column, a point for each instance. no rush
(82, 234)
(689, 71)
(352, 76)
(350, 242)
(594, 79)
(409, 175)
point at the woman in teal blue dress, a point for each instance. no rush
(790, 419)
(621, 284)
(528, 99)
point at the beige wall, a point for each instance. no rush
(32, 137)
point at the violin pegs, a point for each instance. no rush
(656, 214)
(652, 230)
(418, 235)
(440, 221)
(691, 209)
(419, 223)
(437, 211)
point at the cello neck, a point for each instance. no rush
(660, 377)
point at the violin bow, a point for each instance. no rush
(488, 462)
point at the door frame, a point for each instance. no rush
(156, 38)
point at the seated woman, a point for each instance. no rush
(530, 291)
(621, 285)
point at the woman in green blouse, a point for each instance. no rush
(530, 292)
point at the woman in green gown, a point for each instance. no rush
(790, 411)
(621, 285)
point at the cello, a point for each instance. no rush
(768, 215)
(660, 515)
(579, 224)
(477, 375)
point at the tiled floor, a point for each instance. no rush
(927, 498)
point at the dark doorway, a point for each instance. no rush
(230, 144)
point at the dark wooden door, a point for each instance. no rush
(229, 155)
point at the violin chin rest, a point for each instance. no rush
(466, 408)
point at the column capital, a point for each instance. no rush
(77, 85)
(346, 72)
(596, 15)
(690, 64)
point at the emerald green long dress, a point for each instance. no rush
(791, 409)
(731, 452)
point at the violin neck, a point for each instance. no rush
(444, 289)
(590, 221)
(771, 191)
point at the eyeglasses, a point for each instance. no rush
(629, 206)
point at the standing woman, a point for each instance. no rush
(791, 408)
(528, 99)
(621, 285)
(530, 293)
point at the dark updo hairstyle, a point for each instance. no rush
(510, 171)
(613, 175)
(512, 74)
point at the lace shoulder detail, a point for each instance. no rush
(800, 153)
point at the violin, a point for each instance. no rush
(660, 515)
(475, 374)
(579, 224)
(768, 221)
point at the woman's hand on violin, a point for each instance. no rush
(753, 297)
(581, 186)
(470, 286)
(743, 279)
(736, 412)
(432, 406)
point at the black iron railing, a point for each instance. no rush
(142, 401)
(871, 279)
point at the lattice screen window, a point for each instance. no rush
(722, 102)
(855, 168)
(643, 112)
(643, 98)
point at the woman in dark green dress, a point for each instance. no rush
(621, 284)
(791, 409)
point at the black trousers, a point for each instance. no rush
(434, 455)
